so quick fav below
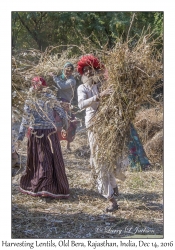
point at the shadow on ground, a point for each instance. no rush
(54, 219)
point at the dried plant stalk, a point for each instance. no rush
(132, 74)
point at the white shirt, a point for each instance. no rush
(87, 98)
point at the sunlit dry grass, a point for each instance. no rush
(83, 214)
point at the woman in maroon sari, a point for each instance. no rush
(45, 171)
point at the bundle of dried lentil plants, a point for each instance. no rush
(31, 63)
(132, 74)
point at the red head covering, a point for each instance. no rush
(38, 80)
(88, 60)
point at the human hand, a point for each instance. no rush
(106, 92)
(63, 133)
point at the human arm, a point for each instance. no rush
(83, 100)
(64, 84)
(63, 116)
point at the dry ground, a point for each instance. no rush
(83, 214)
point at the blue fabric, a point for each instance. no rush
(63, 76)
(137, 156)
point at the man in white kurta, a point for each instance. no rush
(88, 98)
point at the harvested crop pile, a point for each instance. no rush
(149, 121)
(154, 148)
(132, 74)
(149, 124)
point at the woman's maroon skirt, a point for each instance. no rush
(45, 171)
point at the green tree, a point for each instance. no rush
(42, 29)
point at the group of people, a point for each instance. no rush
(45, 173)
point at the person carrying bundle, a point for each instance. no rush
(45, 174)
(66, 86)
(88, 97)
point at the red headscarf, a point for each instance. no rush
(37, 79)
(88, 60)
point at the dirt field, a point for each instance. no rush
(83, 214)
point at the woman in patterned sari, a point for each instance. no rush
(45, 171)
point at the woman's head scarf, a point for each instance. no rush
(89, 60)
(68, 64)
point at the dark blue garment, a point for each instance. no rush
(137, 156)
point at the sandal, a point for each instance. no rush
(113, 206)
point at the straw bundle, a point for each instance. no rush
(132, 74)
(22, 64)
(148, 122)
(154, 148)
(149, 125)
(26, 65)
(51, 61)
